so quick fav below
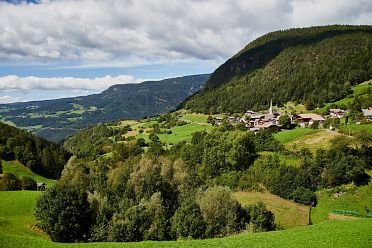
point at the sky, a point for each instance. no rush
(61, 48)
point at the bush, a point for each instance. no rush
(188, 220)
(261, 219)
(28, 183)
(63, 213)
(10, 182)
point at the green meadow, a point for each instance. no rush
(17, 230)
(22, 171)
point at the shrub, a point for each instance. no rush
(10, 182)
(63, 213)
(28, 183)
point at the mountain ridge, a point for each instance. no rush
(125, 101)
(314, 65)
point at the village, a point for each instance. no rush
(270, 119)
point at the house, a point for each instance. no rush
(308, 119)
(367, 113)
(336, 113)
(218, 120)
(249, 112)
(40, 186)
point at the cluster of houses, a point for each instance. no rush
(255, 121)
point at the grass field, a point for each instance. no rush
(355, 128)
(311, 140)
(351, 199)
(16, 218)
(291, 160)
(283, 209)
(287, 136)
(20, 171)
(197, 118)
(179, 133)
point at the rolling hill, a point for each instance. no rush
(57, 119)
(312, 65)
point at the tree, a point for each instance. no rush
(153, 137)
(1, 166)
(303, 195)
(285, 121)
(63, 213)
(188, 220)
(220, 211)
(261, 219)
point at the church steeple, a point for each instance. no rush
(271, 107)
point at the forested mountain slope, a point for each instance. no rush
(310, 65)
(41, 156)
(58, 119)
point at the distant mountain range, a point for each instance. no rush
(57, 119)
(312, 66)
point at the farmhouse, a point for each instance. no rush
(367, 113)
(308, 119)
(336, 113)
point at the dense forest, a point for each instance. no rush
(57, 119)
(308, 65)
(148, 191)
(41, 156)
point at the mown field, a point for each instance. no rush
(312, 139)
(22, 171)
(282, 209)
(16, 231)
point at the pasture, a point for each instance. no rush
(16, 230)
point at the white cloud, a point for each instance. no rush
(147, 31)
(8, 99)
(13, 82)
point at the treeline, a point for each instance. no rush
(311, 65)
(96, 141)
(42, 157)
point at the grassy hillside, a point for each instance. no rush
(179, 133)
(22, 171)
(16, 216)
(287, 136)
(312, 65)
(348, 198)
(306, 138)
(282, 209)
(362, 91)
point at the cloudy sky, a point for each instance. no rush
(51, 49)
